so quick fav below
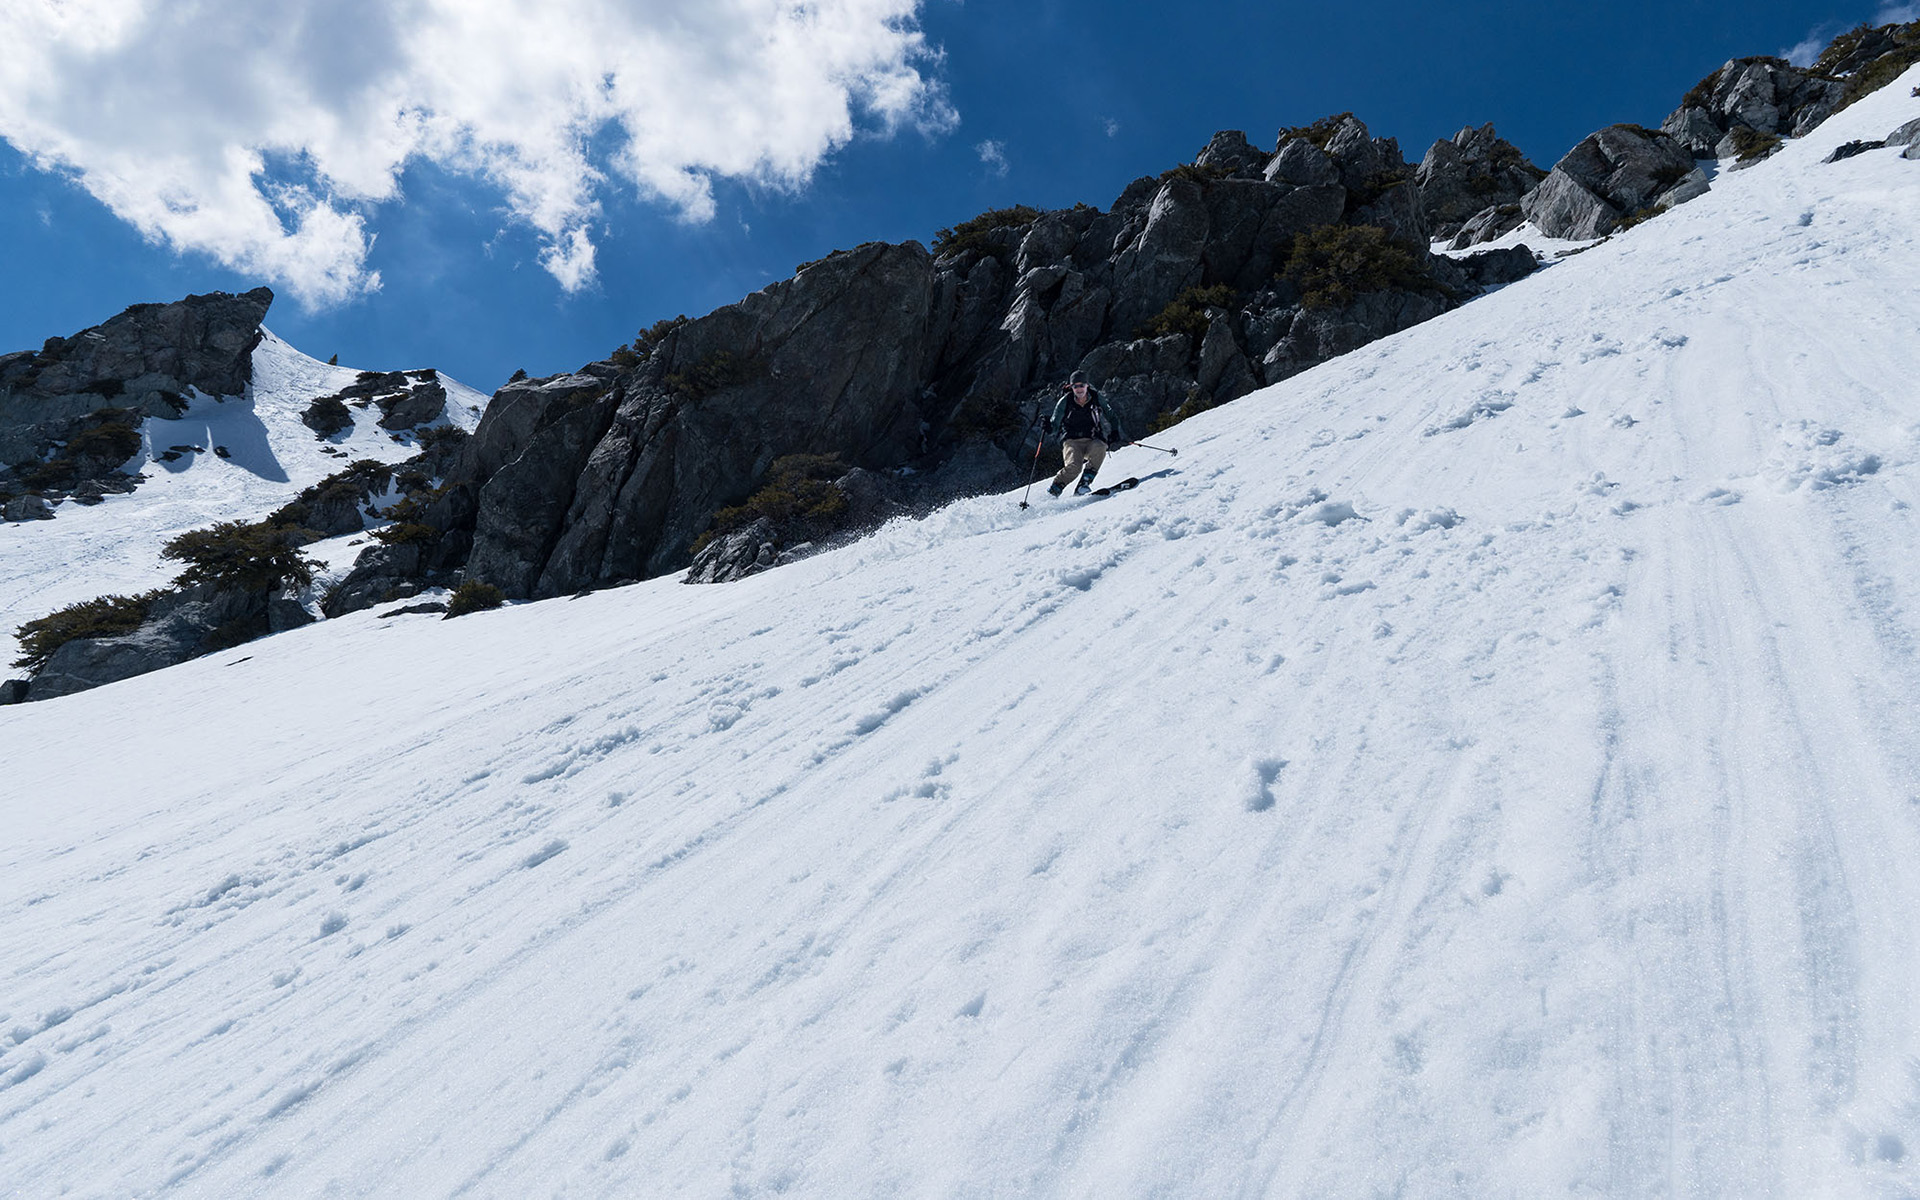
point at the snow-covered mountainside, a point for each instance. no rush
(1486, 765)
(114, 546)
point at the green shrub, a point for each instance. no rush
(519, 373)
(1195, 173)
(57, 474)
(474, 596)
(406, 533)
(1320, 133)
(108, 442)
(107, 616)
(1197, 403)
(624, 357)
(1749, 143)
(250, 557)
(327, 416)
(714, 372)
(972, 235)
(1336, 264)
(657, 332)
(1188, 312)
(798, 490)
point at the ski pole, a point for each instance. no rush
(1035, 472)
(1161, 449)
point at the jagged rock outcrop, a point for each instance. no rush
(70, 411)
(890, 357)
(1621, 172)
(1471, 187)
(1764, 95)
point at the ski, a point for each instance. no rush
(1126, 484)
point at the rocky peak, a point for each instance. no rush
(1232, 154)
(1477, 178)
(67, 409)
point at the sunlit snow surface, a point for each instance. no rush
(114, 546)
(1548, 826)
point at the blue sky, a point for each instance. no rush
(960, 107)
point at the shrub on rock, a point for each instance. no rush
(474, 596)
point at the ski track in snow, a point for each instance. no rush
(1484, 765)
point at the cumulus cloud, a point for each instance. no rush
(266, 135)
(993, 156)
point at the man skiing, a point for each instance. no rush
(1087, 429)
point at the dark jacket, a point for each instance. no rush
(1091, 420)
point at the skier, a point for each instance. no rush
(1087, 430)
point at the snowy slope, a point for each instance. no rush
(114, 546)
(1482, 766)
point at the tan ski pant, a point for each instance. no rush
(1080, 452)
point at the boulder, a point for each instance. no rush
(1906, 135)
(422, 403)
(14, 691)
(746, 551)
(1491, 268)
(1619, 172)
(1458, 180)
(27, 508)
(1487, 225)
(1853, 149)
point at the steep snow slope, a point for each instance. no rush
(1483, 766)
(114, 546)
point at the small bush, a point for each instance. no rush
(624, 358)
(972, 235)
(1749, 144)
(109, 442)
(1197, 403)
(57, 474)
(657, 332)
(1320, 133)
(327, 416)
(519, 373)
(714, 372)
(798, 489)
(406, 533)
(474, 596)
(1334, 265)
(107, 616)
(1188, 312)
(250, 557)
(1195, 173)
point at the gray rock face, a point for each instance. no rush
(1767, 95)
(1460, 180)
(180, 626)
(1621, 171)
(144, 360)
(14, 691)
(1906, 135)
(888, 358)
(1911, 152)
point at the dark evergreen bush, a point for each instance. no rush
(714, 372)
(238, 555)
(327, 416)
(797, 491)
(474, 596)
(972, 235)
(1335, 265)
(1188, 312)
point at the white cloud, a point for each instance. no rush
(1803, 54)
(265, 134)
(1897, 14)
(993, 155)
(1113, 127)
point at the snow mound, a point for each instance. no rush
(1544, 825)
